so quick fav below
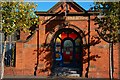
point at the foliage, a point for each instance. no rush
(108, 20)
(17, 16)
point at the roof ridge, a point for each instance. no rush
(57, 5)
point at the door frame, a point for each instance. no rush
(53, 41)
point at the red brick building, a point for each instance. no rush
(62, 41)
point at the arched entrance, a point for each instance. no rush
(67, 49)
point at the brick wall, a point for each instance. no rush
(33, 50)
(26, 53)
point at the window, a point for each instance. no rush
(10, 55)
(77, 42)
(68, 46)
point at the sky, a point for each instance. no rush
(44, 6)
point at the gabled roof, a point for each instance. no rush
(78, 10)
(79, 7)
(55, 7)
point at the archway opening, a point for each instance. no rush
(67, 49)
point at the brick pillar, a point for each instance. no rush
(19, 52)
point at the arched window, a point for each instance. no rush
(67, 48)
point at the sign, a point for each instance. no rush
(66, 18)
(31, 45)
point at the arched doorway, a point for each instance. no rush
(67, 49)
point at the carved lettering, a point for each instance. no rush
(67, 18)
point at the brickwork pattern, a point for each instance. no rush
(30, 52)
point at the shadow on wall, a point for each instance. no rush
(44, 53)
(44, 60)
(94, 41)
(45, 56)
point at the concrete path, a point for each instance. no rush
(50, 78)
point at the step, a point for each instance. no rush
(66, 71)
(73, 75)
(72, 72)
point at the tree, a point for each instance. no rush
(16, 16)
(108, 21)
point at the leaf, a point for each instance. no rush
(111, 20)
(14, 16)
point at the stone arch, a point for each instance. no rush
(49, 35)
(77, 60)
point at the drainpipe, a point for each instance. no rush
(86, 75)
(36, 65)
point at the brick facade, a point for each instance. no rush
(36, 50)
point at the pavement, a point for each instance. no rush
(50, 78)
